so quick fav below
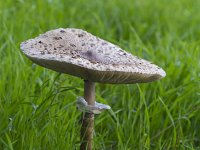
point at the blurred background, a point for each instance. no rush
(37, 105)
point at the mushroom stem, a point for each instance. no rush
(87, 126)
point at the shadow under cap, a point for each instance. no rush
(79, 53)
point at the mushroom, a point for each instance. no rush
(81, 54)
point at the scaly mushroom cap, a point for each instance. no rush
(79, 53)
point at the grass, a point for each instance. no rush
(37, 105)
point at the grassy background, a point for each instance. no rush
(37, 106)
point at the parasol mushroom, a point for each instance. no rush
(81, 54)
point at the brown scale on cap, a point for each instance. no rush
(79, 53)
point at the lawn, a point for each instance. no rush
(38, 106)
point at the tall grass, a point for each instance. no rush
(37, 105)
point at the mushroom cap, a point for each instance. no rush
(79, 53)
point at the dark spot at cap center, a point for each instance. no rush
(89, 54)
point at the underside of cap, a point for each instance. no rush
(79, 53)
